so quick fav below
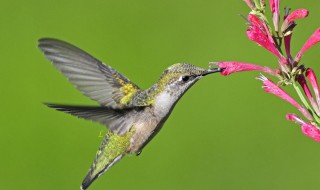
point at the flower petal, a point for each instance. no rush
(311, 76)
(254, 20)
(256, 34)
(274, 6)
(295, 118)
(233, 67)
(297, 14)
(272, 88)
(287, 45)
(302, 81)
(314, 39)
(311, 131)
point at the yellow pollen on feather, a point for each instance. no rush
(128, 90)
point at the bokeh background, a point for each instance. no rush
(225, 133)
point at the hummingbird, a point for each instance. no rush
(133, 116)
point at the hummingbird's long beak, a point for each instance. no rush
(214, 70)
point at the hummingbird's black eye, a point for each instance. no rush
(185, 78)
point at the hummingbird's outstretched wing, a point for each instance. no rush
(115, 119)
(93, 78)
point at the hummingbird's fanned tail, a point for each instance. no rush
(112, 149)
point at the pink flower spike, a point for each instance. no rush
(250, 4)
(295, 118)
(297, 14)
(311, 131)
(314, 39)
(274, 6)
(233, 67)
(311, 76)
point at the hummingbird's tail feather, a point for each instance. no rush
(90, 177)
(113, 118)
(112, 149)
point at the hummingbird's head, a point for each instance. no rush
(174, 82)
(179, 77)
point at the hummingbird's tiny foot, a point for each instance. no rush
(138, 153)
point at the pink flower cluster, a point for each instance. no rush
(289, 71)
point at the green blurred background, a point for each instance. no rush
(225, 133)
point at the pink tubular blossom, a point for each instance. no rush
(304, 86)
(233, 67)
(307, 128)
(272, 88)
(302, 81)
(254, 20)
(314, 39)
(311, 131)
(297, 14)
(274, 6)
(287, 45)
(256, 34)
(295, 118)
(311, 76)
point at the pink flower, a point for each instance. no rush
(254, 20)
(314, 39)
(299, 13)
(289, 20)
(314, 83)
(272, 88)
(233, 67)
(304, 86)
(307, 128)
(274, 6)
(302, 81)
(295, 118)
(287, 45)
(311, 131)
(256, 34)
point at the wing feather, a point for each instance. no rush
(89, 75)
